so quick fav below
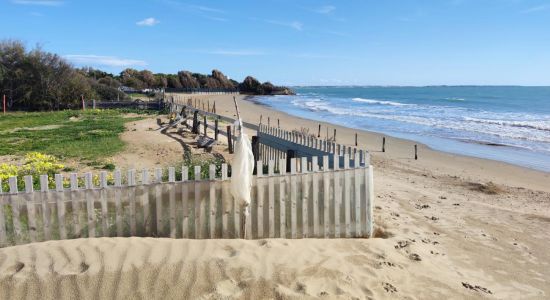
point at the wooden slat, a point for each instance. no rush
(370, 200)
(158, 201)
(271, 193)
(357, 197)
(118, 203)
(31, 209)
(237, 212)
(326, 198)
(282, 194)
(260, 201)
(46, 214)
(60, 206)
(75, 205)
(197, 216)
(3, 235)
(132, 201)
(212, 201)
(347, 201)
(15, 206)
(185, 202)
(293, 196)
(104, 204)
(172, 201)
(305, 198)
(337, 201)
(315, 195)
(226, 208)
(89, 196)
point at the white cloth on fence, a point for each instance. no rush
(242, 168)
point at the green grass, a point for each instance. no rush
(87, 135)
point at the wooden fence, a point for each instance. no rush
(276, 143)
(308, 201)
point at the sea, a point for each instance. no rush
(504, 123)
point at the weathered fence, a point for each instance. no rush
(276, 143)
(158, 104)
(309, 200)
(202, 91)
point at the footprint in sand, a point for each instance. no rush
(231, 251)
(476, 288)
(401, 244)
(423, 206)
(415, 257)
(389, 288)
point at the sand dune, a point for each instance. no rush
(146, 268)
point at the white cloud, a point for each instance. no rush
(294, 25)
(148, 22)
(327, 9)
(536, 9)
(110, 61)
(38, 2)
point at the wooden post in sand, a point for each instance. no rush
(205, 126)
(195, 128)
(384, 144)
(319, 131)
(214, 107)
(229, 139)
(278, 123)
(356, 139)
(216, 129)
(415, 152)
(335, 134)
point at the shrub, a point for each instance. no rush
(35, 164)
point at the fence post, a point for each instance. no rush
(195, 128)
(205, 126)
(229, 139)
(384, 144)
(415, 152)
(256, 152)
(216, 129)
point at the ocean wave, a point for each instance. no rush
(455, 99)
(473, 125)
(538, 125)
(381, 102)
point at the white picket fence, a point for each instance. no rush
(308, 201)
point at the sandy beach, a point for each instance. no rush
(450, 226)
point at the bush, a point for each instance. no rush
(35, 164)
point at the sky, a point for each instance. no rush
(351, 42)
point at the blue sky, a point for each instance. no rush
(352, 42)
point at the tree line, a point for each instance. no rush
(39, 80)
